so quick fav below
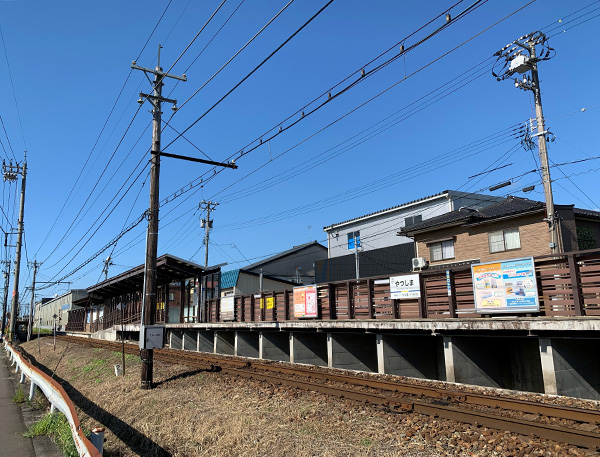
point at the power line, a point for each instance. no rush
(251, 72)
(102, 131)
(237, 53)
(199, 180)
(13, 88)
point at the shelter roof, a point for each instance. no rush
(168, 269)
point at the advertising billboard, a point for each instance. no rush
(227, 308)
(508, 286)
(405, 287)
(305, 301)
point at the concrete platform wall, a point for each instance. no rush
(190, 340)
(246, 344)
(353, 351)
(176, 339)
(274, 346)
(225, 342)
(509, 363)
(310, 348)
(552, 365)
(206, 341)
(577, 367)
(413, 356)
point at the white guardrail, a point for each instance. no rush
(59, 400)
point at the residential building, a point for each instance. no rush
(295, 265)
(59, 306)
(515, 227)
(243, 282)
(369, 244)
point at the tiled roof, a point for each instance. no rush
(586, 212)
(510, 206)
(283, 254)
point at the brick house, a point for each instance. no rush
(512, 228)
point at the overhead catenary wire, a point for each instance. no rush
(266, 59)
(59, 214)
(127, 130)
(12, 84)
(199, 180)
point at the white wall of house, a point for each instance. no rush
(380, 230)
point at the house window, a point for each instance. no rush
(504, 240)
(412, 220)
(586, 238)
(354, 240)
(442, 250)
(171, 296)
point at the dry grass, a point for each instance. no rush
(194, 413)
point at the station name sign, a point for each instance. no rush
(405, 287)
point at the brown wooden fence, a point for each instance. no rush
(568, 285)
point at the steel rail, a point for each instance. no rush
(512, 404)
(240, 368)
(57, 397)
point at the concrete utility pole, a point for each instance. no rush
(35, 266)
(10, 174)
(6, 274)
(150, 286)
(356, 259)
(207, 224)
(521, 57)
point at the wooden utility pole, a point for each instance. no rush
(150, 285)
(35, 265)
(10, 174)
(149, 293)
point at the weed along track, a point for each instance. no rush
(568, 424)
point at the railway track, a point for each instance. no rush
(555, 422)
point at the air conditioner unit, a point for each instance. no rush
(419, 263)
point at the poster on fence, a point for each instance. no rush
(227, 308)
(508, 286)
(405, 287)
(305, 301)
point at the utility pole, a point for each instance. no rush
(6, 274)
(150, 286)
(356, 260)
(35, 265)
(107, 263)
(207, 225)
(521, 57)
(10, 174)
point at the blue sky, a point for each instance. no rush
(69, 61)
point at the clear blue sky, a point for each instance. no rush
(70, 59)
